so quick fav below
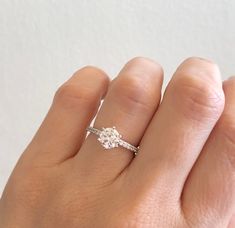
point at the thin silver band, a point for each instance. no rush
(119, 141)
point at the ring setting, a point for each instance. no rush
(110, 138)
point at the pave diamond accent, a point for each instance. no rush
(109, 138)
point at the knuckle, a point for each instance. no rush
(133, 93)
(146, 62)
(198, 99)
(71, 95)
(89, 69)
(200, 68)
(138, 59)
(195, 58)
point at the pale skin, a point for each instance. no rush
(183, 176)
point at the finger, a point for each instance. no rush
(191, 105)
(129, 105)
(63, 130)
(211, 183)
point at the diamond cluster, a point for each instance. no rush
(109, 138)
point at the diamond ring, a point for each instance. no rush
(110, 138)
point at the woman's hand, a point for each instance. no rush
(183, 175)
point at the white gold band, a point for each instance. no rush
(110, 138)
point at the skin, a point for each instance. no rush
(183, 176)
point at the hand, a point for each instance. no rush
(183, 175)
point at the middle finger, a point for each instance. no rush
(191, 106)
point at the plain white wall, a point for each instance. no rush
(43, 42)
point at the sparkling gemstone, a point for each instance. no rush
(109, 138)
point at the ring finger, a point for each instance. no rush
(130, 103)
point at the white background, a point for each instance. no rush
(43, 42)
